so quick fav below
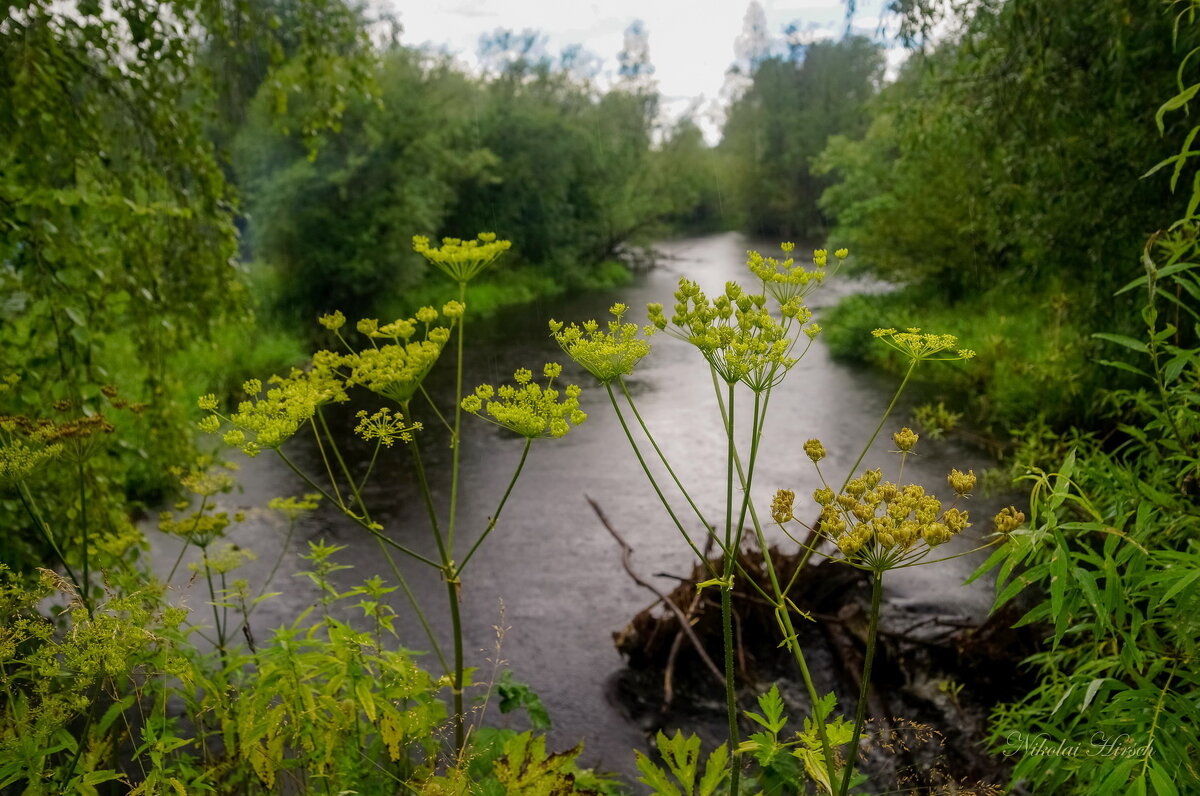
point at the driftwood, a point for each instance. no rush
(934, 681)
(681, 617)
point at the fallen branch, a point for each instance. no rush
(684, 623)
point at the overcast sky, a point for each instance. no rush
(691, 41)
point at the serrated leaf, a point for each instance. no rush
(715, 771)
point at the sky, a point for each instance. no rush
(691, 42)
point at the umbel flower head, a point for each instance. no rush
(924, 347)
(880, 525)
(528, 409)
(268, 420)
(462, 260)
(786, 279)
(606, 354)
(735, 332)
(396, 369)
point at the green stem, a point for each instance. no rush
(879, 427)
(499, 508)
(325, 460)
(783, 613)
(654, 483)
(31, 510)
(727, 603)
(456, 626)
(83, 517)
(383, 541)
(455, 438)
(661, 457)
(452, 583)
(860, 714)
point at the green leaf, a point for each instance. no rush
(1123, 340)
(716, 770)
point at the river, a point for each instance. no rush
(550, 574)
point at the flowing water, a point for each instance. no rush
(550, 575)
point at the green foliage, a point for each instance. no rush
(1112, 559)
(783, 121)
(681, 755)
(117, 223)
(1026, 344)
(1007, 158)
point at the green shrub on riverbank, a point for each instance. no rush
(1033, 358)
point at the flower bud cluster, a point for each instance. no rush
(396, 369)
(1008, 520)
(606, 354)
(880, 522)
(529, 409)
(462, 260)
(293, 507)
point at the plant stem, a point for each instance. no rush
(452, 583)
(662, 498)
(730, 556)
(661, 457)
(455, 437)
(860, 714)
(85, 586)
(499, 508)
(882, 420)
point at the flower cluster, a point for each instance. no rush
(786, 279)
(1008, 520)
(883, 524)
(395, 370)
(268, 420)
(735, 332)
(462, 260)
(879, 524)
(386, 426)
(924, 347)
(529, 409)
(199, 527)
(606, 354)
(18, 459)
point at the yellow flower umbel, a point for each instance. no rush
(785, 279)
(528, 409)
(462, 260)
(396, 369)
(268, 420)
(385, 426)
(879, 525)
(608, 354)
(924, 347)
(735, 332)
